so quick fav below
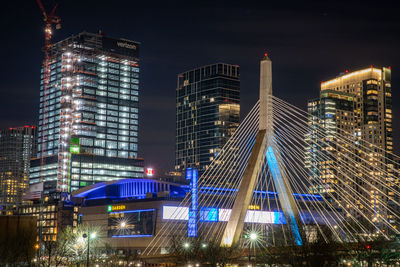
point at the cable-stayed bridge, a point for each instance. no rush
(288, 177)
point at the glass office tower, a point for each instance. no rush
(207, 114)
(17, 146)
(88, 121)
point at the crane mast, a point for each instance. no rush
(49, 19)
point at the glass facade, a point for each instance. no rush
(369, 122)
(207, 113)
(89, 106)
(17, 146)
(331, 114)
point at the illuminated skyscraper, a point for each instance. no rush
(369, 123)
(207, 113)
(17, 146)
(88, 121)
(332, 113)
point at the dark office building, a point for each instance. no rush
(88, 107)
(17, 145)
(207, 113)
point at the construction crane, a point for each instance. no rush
(49, 19)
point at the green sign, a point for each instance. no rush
(75, 147)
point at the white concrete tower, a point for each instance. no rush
(265, 122)
(263, 148)
(234, 228)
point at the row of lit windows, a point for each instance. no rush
(120, 90)
(103, 177)
(115, 95)
(106, 166)
(116, 107)
(103, 172)
(113, 68)
(114, 153)
(51, 208)
(123, 78)
(123, 118)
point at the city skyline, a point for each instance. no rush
(301, 58)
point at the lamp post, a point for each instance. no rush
(252, 238)
(88, 236)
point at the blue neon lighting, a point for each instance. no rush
(130, 211)
(209, 214)
(279, 218)
(192, 174)
(131, 235)
(283, 195)
(95, 187)
(209, 189)
(129, 189)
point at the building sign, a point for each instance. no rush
(208, 214)
(193, 175)
(74, 147)
(115, 207)
(149, 172)
(124, 47)
(254, 207)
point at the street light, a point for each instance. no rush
(186, 245)
(253, 236)
(123, 224)
(89, 236)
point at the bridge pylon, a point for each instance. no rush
(263, 149)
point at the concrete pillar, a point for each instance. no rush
(265, 122)
(234, 228)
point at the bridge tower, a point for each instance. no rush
(263, 148)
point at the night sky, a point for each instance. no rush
(307, 42)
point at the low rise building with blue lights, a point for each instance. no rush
(131, 212)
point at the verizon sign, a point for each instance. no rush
(126, 45)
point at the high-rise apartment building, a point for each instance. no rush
(207, 113)
(88, 119)
(332, 113)
(17, 146)
(367, 117)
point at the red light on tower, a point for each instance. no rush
(265, 54)
(347, 71)
(149, 172)
(372, 66)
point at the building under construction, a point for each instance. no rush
(88, 117)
